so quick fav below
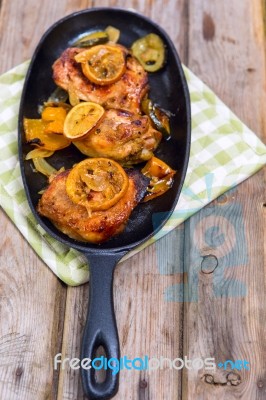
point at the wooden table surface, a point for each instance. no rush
(223, 312)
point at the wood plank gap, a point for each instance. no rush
(183, 335)
(186, 39)
(58, 330)
(263, 6)
(186, 299)
(2, 10)
(64, 344)
(182, 308)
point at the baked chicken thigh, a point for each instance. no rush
(97, 226)
(121, 136)
(125, 94)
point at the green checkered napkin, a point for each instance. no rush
(224, 152)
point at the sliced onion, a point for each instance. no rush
(92, 39)
(59, 95)
(43, 167)
(42, 153)
(113, 33)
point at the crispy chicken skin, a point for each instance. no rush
(125, 94)
(122, 136)
(74, 220)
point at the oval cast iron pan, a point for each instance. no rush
(169, 90)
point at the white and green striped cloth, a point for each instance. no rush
(224, 152)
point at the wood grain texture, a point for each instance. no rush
(75, 316)
(32, 300)
(221, 311)
(31, 308)
(148, 321)
(226, 49)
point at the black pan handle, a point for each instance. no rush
(100, 328)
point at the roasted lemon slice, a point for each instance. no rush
(96, 183)
(102, 64)
(81, 119)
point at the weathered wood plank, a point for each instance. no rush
(32, 299)
(225, 318)
(31, 309)
(149, 320)
(75, 315)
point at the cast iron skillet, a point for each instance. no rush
(169, 89)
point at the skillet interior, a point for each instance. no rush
(168, 88)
